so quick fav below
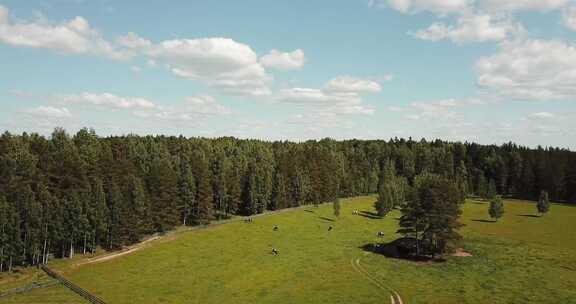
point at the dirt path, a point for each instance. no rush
(394, 296)
(110, 256)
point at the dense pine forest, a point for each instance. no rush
(68, 194)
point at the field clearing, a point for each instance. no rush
(520, 259)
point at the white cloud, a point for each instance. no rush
(340, 95)
(219, 62)
(541, 116)
(436, 6)
(133, 41)
(344, 84)
(106, 100)
(472, 28)
(48, 112)
(412, 116)
(284, 60)
(518, 5)
(75, 36)
(341, 103)
(204, 104)
(530, 70)
(193, 108)
(569, 17)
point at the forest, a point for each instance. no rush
(69, 194)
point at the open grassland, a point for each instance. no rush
(520, 259)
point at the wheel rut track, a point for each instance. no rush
(394, 296)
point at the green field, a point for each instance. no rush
(521, 259)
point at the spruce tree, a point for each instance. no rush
(543, 204)
(491, 193)
(204, 196)
(496, 209)
(431, 214)
(336, 206)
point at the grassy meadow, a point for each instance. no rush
(520, 259)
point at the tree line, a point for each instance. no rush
(65, 194)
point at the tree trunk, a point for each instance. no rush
(10, 265)
(94, 242)
(71, 249)
(1, 259)
(44, 250)
(84, 251)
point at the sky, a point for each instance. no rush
(486, 71)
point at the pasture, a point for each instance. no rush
(520, 259)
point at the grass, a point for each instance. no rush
(520, 259)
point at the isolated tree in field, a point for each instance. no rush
(543, 204)
(336, 206)
(491, 190)
(496, 209)
(431, 214)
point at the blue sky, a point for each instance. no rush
(479, 70)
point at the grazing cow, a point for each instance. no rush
(380, 234)
(275, 228)
(330, 228)
(275, 252)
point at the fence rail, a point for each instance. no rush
(75, 288)
(27, 288)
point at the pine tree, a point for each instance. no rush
(491, 193)
(431, 216)
(496, 209)
(543, 204)
(336, 207)
(204, 196)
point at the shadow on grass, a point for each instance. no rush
(527, 215)
(484, 221)
(400, 249)
(326, 219)
(308, 210)
(370, 215)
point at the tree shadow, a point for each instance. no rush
(370, 215)
(402, 249)
(483, 221)
(308, 210)
(326, 219)
(527, 215)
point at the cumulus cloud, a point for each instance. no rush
(530, 70)
(443, 7)
(436, 6)
(106, 100)
(219, 62)
(133, 41)
(518, 5)
(341, 95)
(75, 36)
(284, 60)
(472, 28)
(48, 112)
(205, 104)
(193, 109)
(569, 18)
(342, 103)
(351, 84)
(541, 116)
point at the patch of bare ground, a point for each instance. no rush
(460, 252)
